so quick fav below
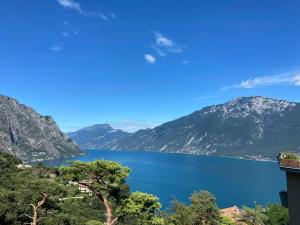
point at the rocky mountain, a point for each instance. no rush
(250, 127)
(30, 136)
(97, 136)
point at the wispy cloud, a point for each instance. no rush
(185, 62)
(69, 4)
(164, 44)
(75, 6)
(159, 51)
(287, 79)
(292, 79)
(57, 47)
(71, 28)
(132, 124)
(150, 58)
(65, 34)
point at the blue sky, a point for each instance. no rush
(139, 63)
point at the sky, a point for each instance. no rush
(138, 63)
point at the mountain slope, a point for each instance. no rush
(97, 136)
(245, 127)
(30, 136)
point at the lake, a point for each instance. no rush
(168, 176)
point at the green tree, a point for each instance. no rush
(182, 214)
(142, 208)
(255, 216)
(108, 185)
(202, 210)
(277, 215)
(107, 178)
(204, 206)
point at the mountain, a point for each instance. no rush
(97, 136)
(249, 127)
(30, 136)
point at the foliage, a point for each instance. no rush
(141, 207)
(94, 222)
(255, 216)
(8, 163)
(181, 214)
(20, 188)
(290, 155)
(204, 206)
(202, 210)
(277, 215)
(226, 221)
(107, 176)
(106, 180)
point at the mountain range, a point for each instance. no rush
(249, 127)
(31, 136)
(98, 136)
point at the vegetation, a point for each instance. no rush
(290, 155)
(202, 210)
(45, 196)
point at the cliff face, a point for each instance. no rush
(30, 136)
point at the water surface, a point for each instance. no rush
(233, 181)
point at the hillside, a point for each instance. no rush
(250, 127)
(97, 136)
(31, 136)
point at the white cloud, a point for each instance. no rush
(287, 79)
(164, 43)
(185, 62)
(69, 4)
(150, 59)
(297, 80)
(73, 5)
(275, 80)
(57, 48)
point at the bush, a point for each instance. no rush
(290, 155)
(277, 215)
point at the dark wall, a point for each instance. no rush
(293, 187)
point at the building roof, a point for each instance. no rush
(289, 165)
(231, 213)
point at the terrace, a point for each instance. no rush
(290, 163)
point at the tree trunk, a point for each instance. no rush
(36, 210)
(109, 215)
(34, 216)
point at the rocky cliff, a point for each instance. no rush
(31, 136)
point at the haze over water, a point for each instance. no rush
(233, 181)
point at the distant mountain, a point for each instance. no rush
(30, 136)
(97, 136)
(250, 127)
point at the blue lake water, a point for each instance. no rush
(233, 181)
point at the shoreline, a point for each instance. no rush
(185, 153)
